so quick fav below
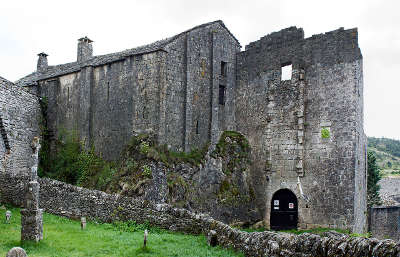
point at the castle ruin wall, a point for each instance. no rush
(19, 124)
(284, 119)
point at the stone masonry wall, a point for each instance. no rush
(193, 80)
(105, 104)
(284, 119)
(19, 123)
(384, 222)
(172, 92)
(73, 202)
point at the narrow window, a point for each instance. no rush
(286, 71)
(221, 96)
(224, 69)
(68, 94)
(197, 127)
(144, 114)
(4, 136)
(108, 91)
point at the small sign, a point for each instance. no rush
(276, 207)
(276, 202)
(291, 205)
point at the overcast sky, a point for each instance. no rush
(30, 27)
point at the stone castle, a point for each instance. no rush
(305, 130)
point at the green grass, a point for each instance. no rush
(64, 237)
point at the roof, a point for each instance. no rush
(62, 69)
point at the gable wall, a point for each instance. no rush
(19, 112)
(193, 78)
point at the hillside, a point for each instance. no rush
(387, 153)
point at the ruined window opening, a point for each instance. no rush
(224, 69)
(221, 96)
(68, 94)
(197, 127)
(286, 71)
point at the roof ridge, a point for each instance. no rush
(62, 69)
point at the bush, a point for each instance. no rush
(372, 181)
(73, 164)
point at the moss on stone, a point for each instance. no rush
(234, 149)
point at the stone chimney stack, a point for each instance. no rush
(42, 62)
(85, 49)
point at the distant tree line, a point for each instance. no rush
(388, 145)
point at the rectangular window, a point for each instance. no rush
(108, 91)
(224, 69)
(197, 127)
(221, 96)
(286, 71)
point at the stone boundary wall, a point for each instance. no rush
(384, 222)
(71, 201)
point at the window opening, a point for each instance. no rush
(4, 136)
(144, 114)
(197, 127)
(108, 91)
(224, 69)
(221, 96)
(286, 71)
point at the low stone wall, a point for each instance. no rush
(385, 222)
(71, 201)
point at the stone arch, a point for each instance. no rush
(284, 210)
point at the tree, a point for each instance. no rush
(372, 182)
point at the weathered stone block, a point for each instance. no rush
(31, 225)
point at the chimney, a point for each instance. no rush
(42, 62)
(85, 49)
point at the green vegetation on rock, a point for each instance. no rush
(64, 237)
(234, 150)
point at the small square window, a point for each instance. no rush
(286, 72)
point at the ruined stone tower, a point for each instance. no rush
(305, 130)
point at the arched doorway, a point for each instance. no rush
(284, 210)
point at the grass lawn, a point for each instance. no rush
(64, 237)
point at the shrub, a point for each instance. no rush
(325, 133)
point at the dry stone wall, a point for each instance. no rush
(73, 202)
(19, 123)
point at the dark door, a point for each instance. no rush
(284, 210)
